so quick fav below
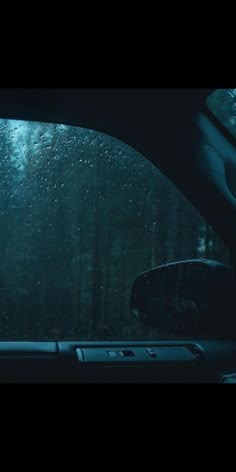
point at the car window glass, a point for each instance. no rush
(81, 215)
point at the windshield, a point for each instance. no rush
(222, 103)
(81, 215)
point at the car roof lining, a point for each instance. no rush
(119, 112)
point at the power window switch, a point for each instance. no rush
(151, 352)
(112, 354)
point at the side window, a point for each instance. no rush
(81, 215)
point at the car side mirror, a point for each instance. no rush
(187, 298)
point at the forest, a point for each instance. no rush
(81, 215)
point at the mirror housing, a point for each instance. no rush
(187, 298)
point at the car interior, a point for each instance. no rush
(180, 303)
